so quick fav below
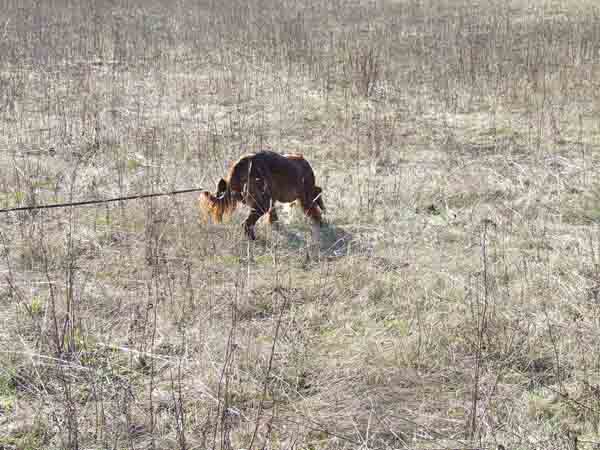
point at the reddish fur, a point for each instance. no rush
(259, 180)
(215, 208)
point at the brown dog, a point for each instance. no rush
(258, 180)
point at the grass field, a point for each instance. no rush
(455, 302)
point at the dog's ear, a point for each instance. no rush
(221, 186)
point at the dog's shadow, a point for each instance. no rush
(334, 241)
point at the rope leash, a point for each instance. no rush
(95, 202)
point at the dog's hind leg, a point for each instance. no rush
(272, 215)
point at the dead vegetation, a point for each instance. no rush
(456, 300)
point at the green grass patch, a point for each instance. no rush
(43, 184)
(397, 325)
(7, 387)
(11, 199)
(35, 307)
(133, 165)
(265, 260)
(33, 437)
(227, 260)
(7, 405)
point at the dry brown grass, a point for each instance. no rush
(456, 300)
